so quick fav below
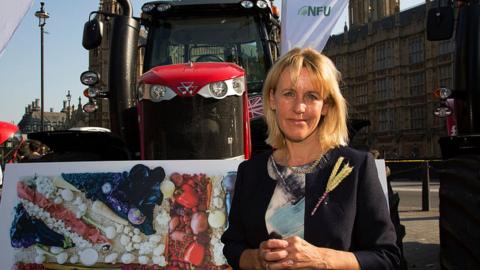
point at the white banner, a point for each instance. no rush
(309, 23)
(11, 13)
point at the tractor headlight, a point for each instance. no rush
(247, 4)
(163, 7)
(154, 92)
(91, 92)
(218, 89)
(90, 107)
(238, 85)
(221, 89)
(89, 78)
(442, 111)
(157, 92)
(148, 7)
(444, 93)
(262, 4)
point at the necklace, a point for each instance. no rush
(304, 170)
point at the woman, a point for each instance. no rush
(323, 198)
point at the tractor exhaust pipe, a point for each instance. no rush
(122, 68)
(126, 6)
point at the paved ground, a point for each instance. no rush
(422, 241)
(411, 195)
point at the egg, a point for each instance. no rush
(216, 219)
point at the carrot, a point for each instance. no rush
(209, 192)
(165, 252)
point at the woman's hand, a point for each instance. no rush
(272, 251)
(269, 251)
(300, 254)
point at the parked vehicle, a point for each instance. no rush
(10, 142)
(459, 178)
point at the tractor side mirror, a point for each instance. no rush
(92, 34)
(440, 22)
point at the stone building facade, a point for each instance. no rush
(361, 12)
(389, 71)
(68, 117)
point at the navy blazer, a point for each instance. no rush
(355, 217)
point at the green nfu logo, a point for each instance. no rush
(314, 11)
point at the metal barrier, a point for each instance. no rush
(414, 170)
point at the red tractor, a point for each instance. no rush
(205, 62)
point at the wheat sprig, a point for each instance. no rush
(335, 168)
(334, 180)
(337, 179)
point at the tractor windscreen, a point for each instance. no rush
(175, 40)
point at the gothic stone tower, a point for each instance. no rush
(364, 11)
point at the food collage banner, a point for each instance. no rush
(116, 215)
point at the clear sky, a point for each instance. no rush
(65, 58)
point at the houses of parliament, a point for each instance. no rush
(389, 72)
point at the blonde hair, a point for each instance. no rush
(325, 77)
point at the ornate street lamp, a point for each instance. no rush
(42, 16)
